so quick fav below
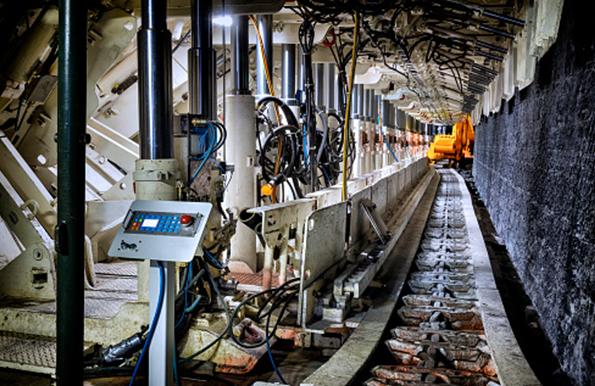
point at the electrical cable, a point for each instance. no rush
(275, 291)
(267, 339)
(216, 289)
(176, 372)
(271, 91)
(188, 275)
(266, 65)
(212, 261)
(228, 324)
(348, 107)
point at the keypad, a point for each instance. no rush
(156, 223)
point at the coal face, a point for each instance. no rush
(535, 170)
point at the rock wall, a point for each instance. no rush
(535, 169)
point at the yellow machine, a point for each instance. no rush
(457, 146)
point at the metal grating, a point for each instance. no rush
(115, 285)
(28, 350)
(118, 267)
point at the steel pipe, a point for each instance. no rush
(240, 65)
(319, 84)
(70, 232)
(265, 26)
(288, 71)
(241, 192)
(373, 107)
(489, 56)
(358, 101)
(155, 84)
(331, 85)
(240, 148)
(484, 69)
(156, 142)
(301, 71)
(496, 31)
(479, 74)
(480, 80)
(506, 19)
(385, 112)
(202, 86)
(491, 47)
(401, 119)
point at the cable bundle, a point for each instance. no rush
(211, 138)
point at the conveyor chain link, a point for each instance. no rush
(440, 339)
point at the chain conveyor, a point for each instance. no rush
(440, 337)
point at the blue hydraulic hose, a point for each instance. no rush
(386, 140)
(389, 148)
(185, 295)
(153, 323)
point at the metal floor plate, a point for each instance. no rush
(115, 285)
(29, 353)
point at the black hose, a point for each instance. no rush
(289, 116)
(322, 145)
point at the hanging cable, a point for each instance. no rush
(348, 107)
(271, 91)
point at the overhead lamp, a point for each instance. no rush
(223, 20)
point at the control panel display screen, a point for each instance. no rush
(150, 223)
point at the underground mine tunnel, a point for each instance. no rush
(338, 192)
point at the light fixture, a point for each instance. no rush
(223, 20)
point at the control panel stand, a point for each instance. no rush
(161, 352)
(164, 232)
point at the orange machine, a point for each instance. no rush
(457, 146)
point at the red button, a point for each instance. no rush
(186, 219)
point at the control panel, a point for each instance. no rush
(162, 230)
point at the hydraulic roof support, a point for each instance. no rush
(157, 159)
(70, 232)
(241, 148)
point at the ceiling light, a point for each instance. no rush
(224, 20)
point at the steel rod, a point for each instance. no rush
(155, 84)
(491, 47)
(240, 64)
(70, 233)
(506, 19)
(265, 26)
(331, 84)
(319, 85)
(496, 31)
(288, 71)
(488, 55)
(202, 86)
(485, 69)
